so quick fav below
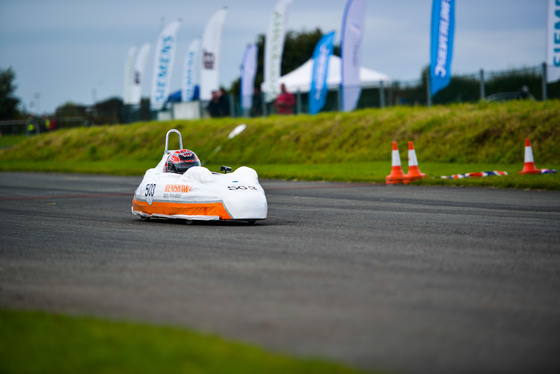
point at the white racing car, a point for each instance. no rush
(179, 187)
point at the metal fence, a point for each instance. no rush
(37, 125)
(529, 82)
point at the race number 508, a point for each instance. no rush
(150, 189)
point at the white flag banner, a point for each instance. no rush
(211, 40)
(553, 41)
(274, 47)
(190, 71)
(351, 39)
(163, 64)
(138, 77)
(248, 72)
(128, 75)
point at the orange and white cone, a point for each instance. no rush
(529, 167)
(413, 170)
(397, 174)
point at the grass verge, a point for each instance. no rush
(38, 342)
(375, 172)
(370, 172)
(7, 141)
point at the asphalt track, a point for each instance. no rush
(408, 279)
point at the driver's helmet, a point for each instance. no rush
(181, 160)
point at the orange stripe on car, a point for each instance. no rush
(171, 209)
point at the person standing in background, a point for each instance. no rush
(285, 101)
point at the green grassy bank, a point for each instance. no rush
(352, 146)
(37, 342)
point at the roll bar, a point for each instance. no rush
(167, 140)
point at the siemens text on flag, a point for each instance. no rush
(442, 32)
(321, 54)
(163, 64)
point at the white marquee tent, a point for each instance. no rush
(300, 78)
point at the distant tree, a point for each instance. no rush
(70, 114)
(108, 111)
(8, 102)
(514, 80)
(411, 94)
(70, 109)
(299, 47)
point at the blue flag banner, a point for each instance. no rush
(443, 25)
(321, 54)
(190, 70)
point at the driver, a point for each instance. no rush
(181, 160)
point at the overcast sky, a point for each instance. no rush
(75, 50)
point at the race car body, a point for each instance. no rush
(199, 194)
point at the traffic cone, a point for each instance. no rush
(413, 170)
(397, 174)
(529, 167)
